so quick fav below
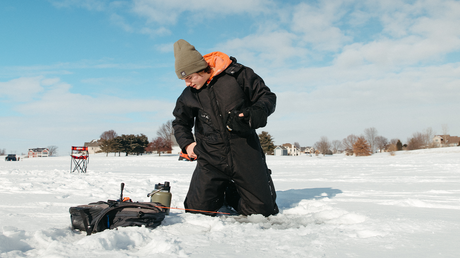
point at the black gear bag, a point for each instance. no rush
(99, 216)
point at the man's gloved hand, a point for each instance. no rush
(257, 116)
(250, 118)
(237, 122)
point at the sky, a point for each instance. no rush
(70, 70)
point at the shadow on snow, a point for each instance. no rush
(289, 198)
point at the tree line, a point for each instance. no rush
(111, 142)
(370, 142)
(363, 145)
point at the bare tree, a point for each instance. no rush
(336, 146)
(108, 144)
(392, 149)
(348, 143)
(429, 135)
(52, 150)
(108, 135)
(445, 134)
(421, 140)
(394, 141)
(370, 134)
(166, 131)
(297, 145)
(381, 143)
(159, 145)
(323, 145)
(416, 142)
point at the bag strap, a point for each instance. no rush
(84, 218)
(119, 206)
(234, 70)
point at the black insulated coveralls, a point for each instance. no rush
(226, 157)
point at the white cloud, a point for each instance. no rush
(50, 81)
(92, 5)
(120, 21)
(67, 68)
(416, 34)
(167, 12)
(158, 31)
(50, 114)
(270, 49)
(396, 76)
(21, 89)
(59, 100)
(316, 25)
(396, 103)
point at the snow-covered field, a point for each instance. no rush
(406, 205)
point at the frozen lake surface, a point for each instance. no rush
(407, 205)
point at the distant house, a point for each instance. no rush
(291, 149)
(446, 140)
(38, 152)
(308, 150)
(281, 151)
(94, 146)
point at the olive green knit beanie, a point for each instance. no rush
(188, 59)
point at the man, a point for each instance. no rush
(225, 102)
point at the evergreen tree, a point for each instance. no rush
(140, 143)
(266, 141)
(399, 145)
(131, 143)
(125, 143)
(362, 148)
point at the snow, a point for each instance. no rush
(407, 205)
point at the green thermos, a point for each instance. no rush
(162, 195)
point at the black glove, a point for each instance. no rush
(257, 116)
(236, 123)
(254, 117)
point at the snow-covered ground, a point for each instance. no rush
(406, 205)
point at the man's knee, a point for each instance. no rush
(207, 207)
(266, 209)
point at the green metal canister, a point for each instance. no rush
(162, 194)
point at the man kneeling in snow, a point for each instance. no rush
(225, 102)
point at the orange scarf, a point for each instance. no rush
(218, 61)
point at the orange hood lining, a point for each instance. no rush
(218, 61)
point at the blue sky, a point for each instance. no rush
(70, 69)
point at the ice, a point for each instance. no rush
(405, 205)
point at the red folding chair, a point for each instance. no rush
(79, 159)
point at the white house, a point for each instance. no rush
(291, 149)
(309, 150)
(38, 152)
(281, 151)
(294, 151)
(449, 141)
(94, 146)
